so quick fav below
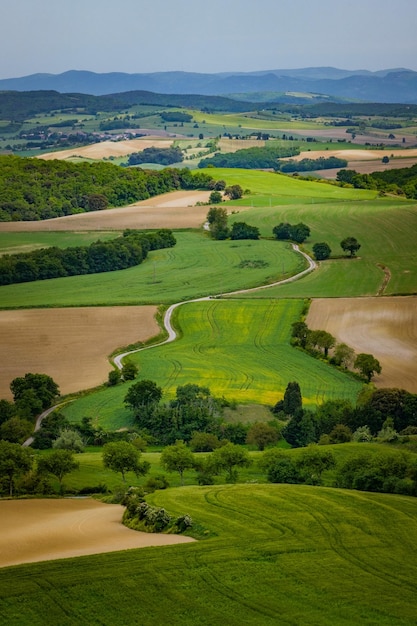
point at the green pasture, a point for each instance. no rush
(275, 185)
(284, 554)
(239, 349)
(383, 227)
(197, 266)
(13, 242)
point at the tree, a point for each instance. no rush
(122, 456)
(262, 435)
(142, 394)
(301, 429)
(321, 251)
(300, 232)
(14, 461)
(114, 378)
(229, 457)
(15, 430)
(300, 332)
(234, 192)
(241, 230)
(343, 355)
(69, 440)
(217, 220)
(313, 461)
(322, 340)
(41, 386)
(129, 371)
(215, 197)
(58, 463)
(350, 244)
(368, 365)
(292, 399)
(177, 458)
(280, 467)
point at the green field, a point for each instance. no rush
(11, 243)
(197, 266)
(239, 349)
(273, 554)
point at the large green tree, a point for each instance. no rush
(350, 244)
(229, 458)
(368, 365)
(39, 386)
(142, 394)
(177, 458)
(59, 463)
(123, 457)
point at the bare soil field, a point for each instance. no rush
(44, 530)
(71, 345)
(385, 327)
(170, 210)
(105, 149)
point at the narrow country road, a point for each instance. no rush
(172, 335)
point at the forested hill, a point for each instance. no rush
(32, 189)
(17, 106)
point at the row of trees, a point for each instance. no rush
(381, 413)
(319, 342)
(101, 256)
(34, 189)
(402, 181)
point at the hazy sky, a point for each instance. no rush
(205, 35)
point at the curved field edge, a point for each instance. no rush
(318, 556)
(239, 349)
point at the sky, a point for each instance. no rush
(141, 36)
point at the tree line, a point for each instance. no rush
(402, 181)
(269, 157)
(101, 256)
(34, 189)
(163, 156)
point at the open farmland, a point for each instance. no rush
(309, 555)
(384, 327)
(239, 349)
(70, 345)
(197, 266)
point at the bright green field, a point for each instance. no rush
(274, 554)
(383, 229)
(196, 266)
(248, 122)
(239, 349)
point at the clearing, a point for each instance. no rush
(385, 327)
(70, 344)
(44, 530)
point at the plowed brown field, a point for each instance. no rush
(169, 210)
(70, 345)
(384, 327)
(43, 530)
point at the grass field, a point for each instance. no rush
(196, 266)
(299, 555)
(239, 349)
(14, 242)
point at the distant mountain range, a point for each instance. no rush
(388, 86)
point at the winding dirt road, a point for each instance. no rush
(172, 335)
